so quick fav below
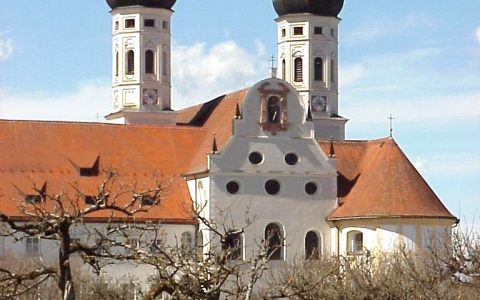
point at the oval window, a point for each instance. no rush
(233, 187)
(311, 188)
(255, 158)
(291, 159)
(272, 187)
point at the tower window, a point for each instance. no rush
(165, 25)
(130, 23)
(274, 110)
(149, 23)
(164, 63)
(318, 69)
(283, 70)
(116, 63)
(297, 30)
(332, 32)
(298, 69)
(116, 25)
(130, 62)
(312, 246)
(274, 240)
(284, 32)
(318, 30)
(332, 70)
(149, 62)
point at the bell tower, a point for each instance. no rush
(141, 71)
(308, 58)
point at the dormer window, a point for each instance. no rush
(92, 171)
(37, 196)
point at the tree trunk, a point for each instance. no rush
(65, 282)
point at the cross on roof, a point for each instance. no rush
(273, 60)
(97, 116)
(391, 118)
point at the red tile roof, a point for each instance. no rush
(376, 179)
(51, 152)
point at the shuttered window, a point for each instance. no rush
(298, 69)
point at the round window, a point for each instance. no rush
(311, 188)
(272, 187)
(291, 159)
(255, 158)
(233, 187)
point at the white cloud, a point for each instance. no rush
(201, 74)
(374, 29)
(80, 105)
(477, 34)
(351, 74)
(6, 46)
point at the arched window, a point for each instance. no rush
(187, 240)
(312, 245)
(130, 62)
(332, 70)
(116, 63)
(318, 69)
(233, 246)
(274, 110)
(164, 63)
(274, 239)
(149, 62)
(298, 69)
(283, 70)
(354, 242)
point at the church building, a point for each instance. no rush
(275, 153)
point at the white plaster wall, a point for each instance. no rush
(49, 249)
(292, 208)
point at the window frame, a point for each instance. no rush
(32, 245)
(298, 69)
(312, 253)
(274, 238)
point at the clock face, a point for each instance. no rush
(150, 97)
(319, 104)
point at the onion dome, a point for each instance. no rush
(317, 7)
(166, 4)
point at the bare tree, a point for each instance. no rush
(52, 217)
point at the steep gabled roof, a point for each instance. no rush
(376, 179)
(54, 152)
(215, 117)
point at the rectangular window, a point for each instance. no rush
(297, 30)
(116, 25)
(318, 30)
(33, 245)
(149, 23)
(130, 23)
(165, 25)
(284, 32)
(332, 32)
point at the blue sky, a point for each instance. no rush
(419, 60)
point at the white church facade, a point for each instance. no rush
(274, 153)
